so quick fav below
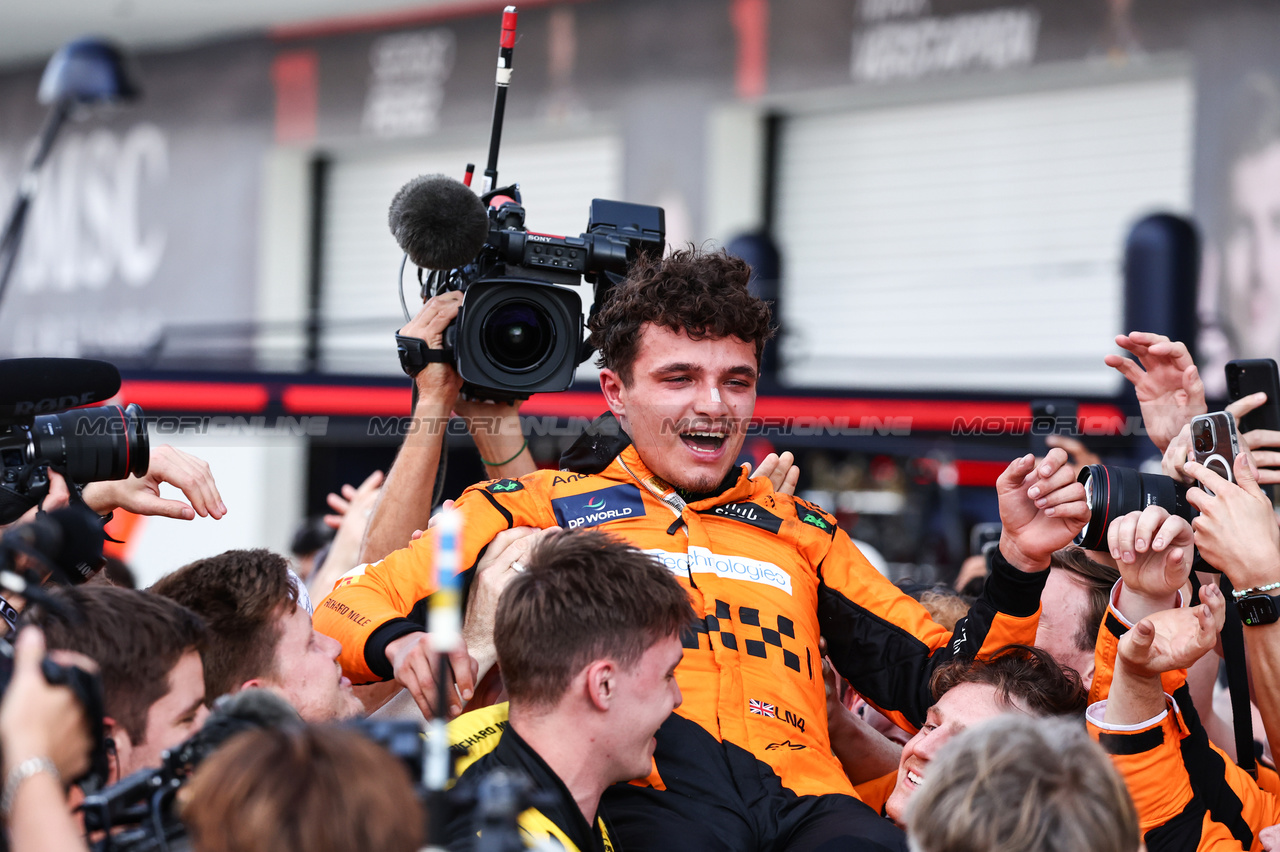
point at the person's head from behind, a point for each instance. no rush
(259, 636)
(148, 651)
(304, 789)
(589, 633)
(680, 346)
(1072, 607)
(1016, 678)
(1018, 784)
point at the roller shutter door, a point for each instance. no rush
(972, 244)
(359, 307)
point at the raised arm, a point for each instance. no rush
(405, 502)
(1237, 534)
(1166, 381)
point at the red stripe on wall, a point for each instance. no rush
(339, 400)
(195, 396)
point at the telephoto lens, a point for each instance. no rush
(1112, 492)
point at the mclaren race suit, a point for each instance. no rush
(1190, 796)
(766, 574)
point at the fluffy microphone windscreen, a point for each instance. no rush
(438, 222)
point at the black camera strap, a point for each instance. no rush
(1237, 676)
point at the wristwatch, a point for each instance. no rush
(415, 355)
(1258, 609)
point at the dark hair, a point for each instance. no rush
(304, 789)
(241, 595)
(702, 294)
(135, 638)
(1098, 580)
(583, 596)
(310, 536)
(1022, 675)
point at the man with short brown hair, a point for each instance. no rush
(588, 639)
(259, 636)
(148, 651)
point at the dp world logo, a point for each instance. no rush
(598, 507)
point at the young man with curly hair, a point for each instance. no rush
(745, 762)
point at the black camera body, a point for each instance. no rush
(520, 329)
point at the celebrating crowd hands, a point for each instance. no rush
(666, 648)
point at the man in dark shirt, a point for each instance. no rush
(588, 640)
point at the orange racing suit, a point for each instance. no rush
(1190, 797)
(766, 574)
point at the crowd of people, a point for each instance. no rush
(664, 649)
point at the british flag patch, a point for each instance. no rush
(762, 709)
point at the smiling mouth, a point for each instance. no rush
(914, 779)
(706, 442)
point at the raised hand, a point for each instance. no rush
(141, 495)
(1042, 508)
(1174, 638)
(1153, 551)
(1236, 531)
(781, 470)
(1166, 380)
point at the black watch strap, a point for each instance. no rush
(415, 355)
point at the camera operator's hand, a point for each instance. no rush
(1042, 508)
(415, 666)
(41, 720)
(1236, 531)
(438, 383)
(499, 566)
(781, 470)
(1167, 383)
(1153, 551)
(1173, 638)
(141, 495)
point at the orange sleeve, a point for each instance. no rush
(371, 604)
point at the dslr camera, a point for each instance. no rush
(38, 432)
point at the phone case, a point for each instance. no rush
(1215, 443)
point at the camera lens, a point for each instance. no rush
(517, 335)
(1203, 437)
(1112, 492)
(94, 444)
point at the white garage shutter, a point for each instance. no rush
(359, 306)
(973, 244)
